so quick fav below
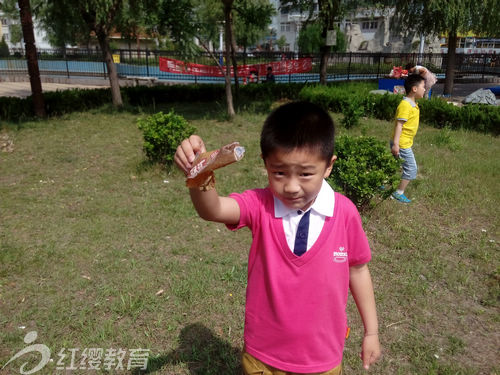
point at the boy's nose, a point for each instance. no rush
(291, 187)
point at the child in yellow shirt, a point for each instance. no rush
(405, 129)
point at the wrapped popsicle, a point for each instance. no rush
(201, 174)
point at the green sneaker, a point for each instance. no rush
(400, 197)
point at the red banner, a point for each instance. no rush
(279, 67)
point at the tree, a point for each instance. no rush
(281, 43)
(31, 57)
(251, 21)
(4, 48)
(228, 27)
(311, 40)
(72, 21)
(329, 13)
(23, 10)
(451, 17)
(16, 33)
(241, 19)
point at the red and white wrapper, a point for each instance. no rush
(207, 162)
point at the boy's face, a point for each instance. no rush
(419, 90)
(295, 177)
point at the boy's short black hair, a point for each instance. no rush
(298, 125)
(411, 81)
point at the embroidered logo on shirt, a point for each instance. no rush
(340, 256)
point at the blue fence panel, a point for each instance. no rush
(341, 66)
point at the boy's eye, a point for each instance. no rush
(278, 173)
(306, 174)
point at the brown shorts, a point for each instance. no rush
(252, 366)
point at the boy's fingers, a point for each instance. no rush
(197, 144)
(367, 360)
(181, 161)
(188, 152)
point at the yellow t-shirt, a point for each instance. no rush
(408, 112)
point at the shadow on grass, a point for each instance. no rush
(202, 351)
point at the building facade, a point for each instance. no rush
(6, 31)
(366, 30)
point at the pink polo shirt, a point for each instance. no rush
(295, 318)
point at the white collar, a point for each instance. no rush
(323, 205)
(411, 101)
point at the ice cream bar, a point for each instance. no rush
(207, 162)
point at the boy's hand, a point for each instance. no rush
(395, 150)
(187, 151)
(370, 350)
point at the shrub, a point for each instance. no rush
(144, 96)
(364, 165)
(352, 112)
(382, 107)
(16, 109)
(435, 112)
(4, 48)
(74, 100)
(162, 134)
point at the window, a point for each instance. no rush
(285, 26)
(4, 21)
(369, 25)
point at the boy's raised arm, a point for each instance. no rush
(361, 287)
(209, 205)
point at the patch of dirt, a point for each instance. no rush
(6, 143)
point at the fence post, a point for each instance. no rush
(349, 67)
(378, 67)
(66, 61)
(484, 65)
(147, 62)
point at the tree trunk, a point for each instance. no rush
(227, 25)
(31, 58)
(116, 95)
(328, 12)
(324, 52)
(450, 63)
(233, 59)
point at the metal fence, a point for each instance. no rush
(145, 64)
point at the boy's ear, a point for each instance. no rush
(330, 166)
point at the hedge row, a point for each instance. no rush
(60, 102)
(56, 103)
(435, 112)
(341, 97)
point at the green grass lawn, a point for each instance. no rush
(99, 249)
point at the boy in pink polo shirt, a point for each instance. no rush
(308, 249)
